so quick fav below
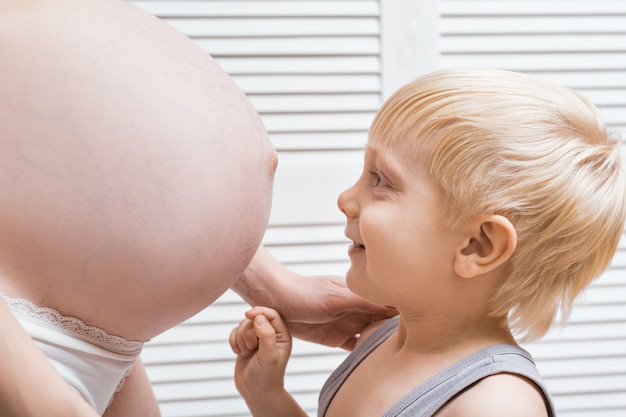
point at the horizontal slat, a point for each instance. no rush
(189, 353)
(321, 160)
(613, 115)
(321, 253)
(595, 403)
(196, 390)
(324, 46)
(316, 141)
(164, 373)
(318, 122)
(588, 385)
(474, 25)
(599, 314)
(556, 350)
(531, 7)
(219, 313)
(305, 388)
(281, 65)
(579, 43)
(299, 84)
(239, 27)
(580, 368)
(606, 97)
(598, 295)
(213, 330)
(539, 62)
(315, 103)
(214, 407)
(238, 8)
(326, 268)
(613, 276)
(593, 412)
(308, 235)
(574, 331)
(619, 259)
(592, 314)
(581, 79)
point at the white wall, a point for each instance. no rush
(317, 71)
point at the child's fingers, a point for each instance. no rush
(243, 340)
(232, 340)
(263, 328)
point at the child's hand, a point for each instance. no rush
(266, 343)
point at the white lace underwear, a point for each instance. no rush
(89, 358)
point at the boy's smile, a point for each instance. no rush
(356, 246)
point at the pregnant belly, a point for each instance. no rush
(135, 177)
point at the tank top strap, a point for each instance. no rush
(337, 378)
(428, 398)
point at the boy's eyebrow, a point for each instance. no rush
(389, 166)
(374, 150)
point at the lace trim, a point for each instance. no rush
(20, 306)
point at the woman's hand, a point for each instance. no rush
(318, 309)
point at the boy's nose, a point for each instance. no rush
(347, 203)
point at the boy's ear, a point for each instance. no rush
(491, 243)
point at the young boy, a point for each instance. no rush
(488, 201)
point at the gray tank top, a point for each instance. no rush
(427, 398)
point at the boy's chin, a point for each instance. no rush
(354, 284)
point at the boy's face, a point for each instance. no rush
(402, 254)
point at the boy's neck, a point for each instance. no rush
(446, 335)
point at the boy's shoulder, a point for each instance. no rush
(498, 395)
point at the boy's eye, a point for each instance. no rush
(377, 179)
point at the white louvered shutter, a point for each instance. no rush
(581, 44)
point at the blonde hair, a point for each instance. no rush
(499, 142)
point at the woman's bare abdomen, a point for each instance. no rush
(135, 177)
